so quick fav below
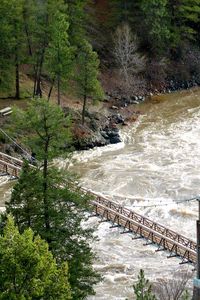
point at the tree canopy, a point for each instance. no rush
(28, 269)
(47, 199)
(87, 75)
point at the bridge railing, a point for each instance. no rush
(157, 233)
(165, 238)
(11, 160)
(10, 165)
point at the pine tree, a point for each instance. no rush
(18, 44)
(156, 24)
(77, 18)
(125, 11)
(184, 17)
(12, 35)
(59, 53)
(87, 75)
(186, 295)
(44, 18)
(28, 269)
(23, 194)
(6, 78)
(142, 288)
(52, 205)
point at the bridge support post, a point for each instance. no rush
(196, 282)
(196, 289)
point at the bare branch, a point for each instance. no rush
(173, 289)
(125, 51)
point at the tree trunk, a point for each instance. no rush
(28, 38)
(51, 88)
(17, 86)
(58, 78)
(84, 108)
(45, 182)
(45, 189)
(26, 29)
(38, 73)
(35, 79)
(196, 293)
(38, 90)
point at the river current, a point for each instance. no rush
(156, 165)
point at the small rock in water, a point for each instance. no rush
(115, 139)
(114, 107)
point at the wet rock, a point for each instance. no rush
(107, 98)
(140, 98)
(114, 107)
(113, 134)
(115, 140)
(117, 119)
(134, 98)
(104, 134)
(98, 130)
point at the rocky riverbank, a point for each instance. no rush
(103, 128)
(102, 123)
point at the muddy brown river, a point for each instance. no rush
(156, 166)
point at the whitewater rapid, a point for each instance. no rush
(156, 165)
(5, 191)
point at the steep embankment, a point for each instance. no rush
(102, 121)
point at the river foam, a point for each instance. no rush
(157, 166)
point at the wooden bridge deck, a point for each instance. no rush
(131, 222)
(10, 165)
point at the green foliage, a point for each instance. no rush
(58, 52)
(162, 25)
(142, 288)
(28, 269)
(47, 200)
(59, 56)
(87, 75)
(156, 22)
(45, 16)
(43, 122)
(88, 71)
(127, 11)
(48, 35)
(77, 17)
(67, 239)
(185, 16)
(14, 43)
(24, 195)
(8, 16)
(186, 296)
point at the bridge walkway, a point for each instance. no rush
(142, 227)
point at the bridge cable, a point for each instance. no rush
(169, 203)
(16, 144)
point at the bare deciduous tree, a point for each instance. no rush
(126, 55)
(173, 289)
